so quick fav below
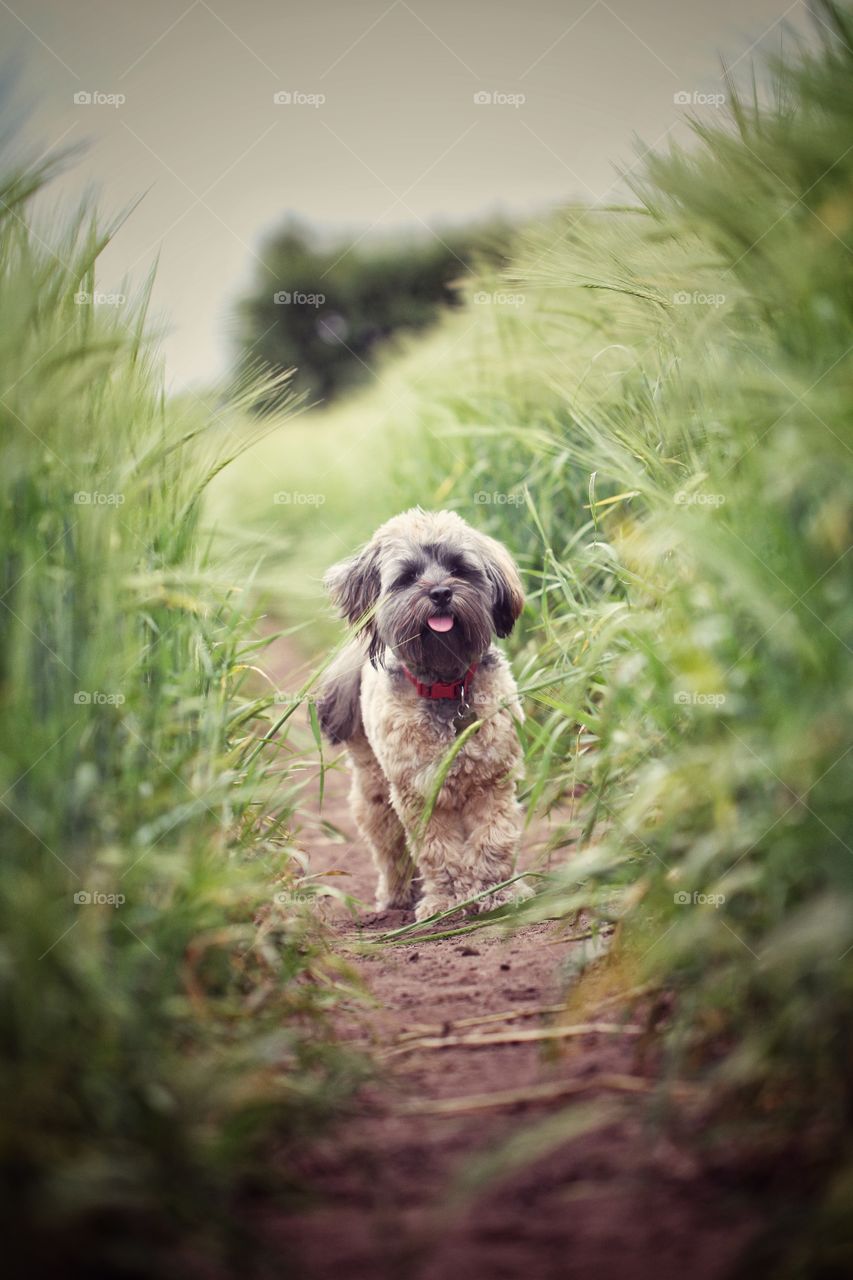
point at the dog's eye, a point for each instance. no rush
(460, 569)
(405, 577)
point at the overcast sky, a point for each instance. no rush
(383, 127)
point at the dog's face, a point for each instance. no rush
(438, 591)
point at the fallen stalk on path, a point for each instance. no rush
(532, 1093)
(472, 927)
(509, 1015)
(506, 912)
(515, 1037)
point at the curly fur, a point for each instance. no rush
(417, 565)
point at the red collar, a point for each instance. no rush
(459, 688)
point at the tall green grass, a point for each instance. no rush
(653, 411)
(155, 1036)
(691, 493)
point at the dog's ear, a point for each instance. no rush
(507, 591)
(354, 584)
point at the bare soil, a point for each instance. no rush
(393, 1190)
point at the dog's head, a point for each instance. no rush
(431, 589)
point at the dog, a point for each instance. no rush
(426, 595)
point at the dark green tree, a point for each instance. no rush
(326, 308)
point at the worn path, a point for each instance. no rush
(395, 1188)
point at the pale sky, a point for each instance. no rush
(382, 129)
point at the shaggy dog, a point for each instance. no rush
(427, 594)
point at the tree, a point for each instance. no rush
(328, 308)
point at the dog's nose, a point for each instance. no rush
(440, 595)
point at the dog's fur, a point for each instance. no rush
(396, 738)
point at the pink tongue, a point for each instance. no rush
(443, 622)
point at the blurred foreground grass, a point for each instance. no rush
(155, 1040)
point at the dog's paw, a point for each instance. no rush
(394, 896)
(431, 904)
(394, 901)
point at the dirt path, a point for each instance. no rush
(392, 1187)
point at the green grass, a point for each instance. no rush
(654, 413)
(155, 1038)
(661, 430)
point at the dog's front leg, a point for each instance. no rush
(443, 865)
(381, 829)
(493, 822)
(445, 859)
